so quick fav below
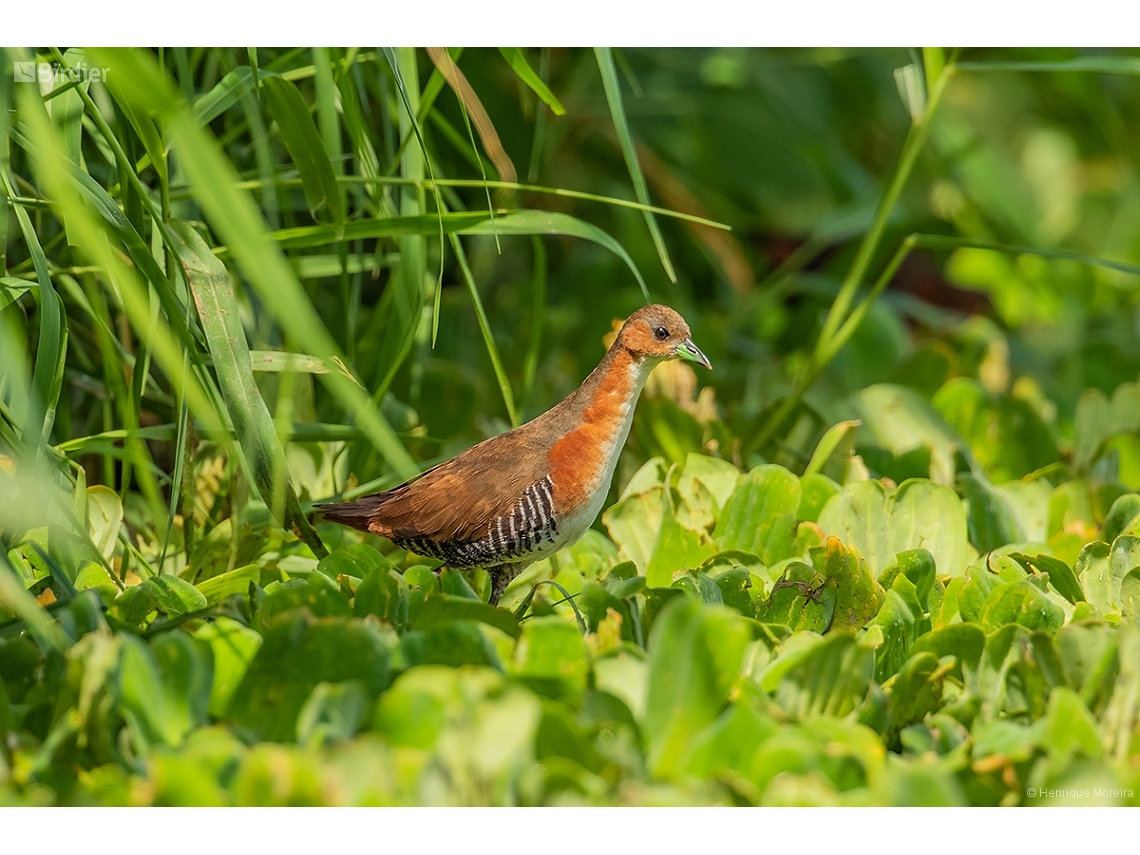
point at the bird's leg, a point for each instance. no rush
(501, 576)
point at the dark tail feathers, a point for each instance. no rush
(356, 514)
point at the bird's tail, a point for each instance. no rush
(356, 514)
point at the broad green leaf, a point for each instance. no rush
(480, 729)
(187, 666)
(677, 547)
(333, 711)
(633, 524)
(442, 609)
(217, 588)
(917, 565)
(929, 516)
(881, 523)
(1121, 517)
(234, 646)
(315, 592)
(517, 61)
(964, 641)
(1005, 434)
(165, 594)
(815, 491)
(701, 587)
(1071, 727)
(357, 559)
(164, 696)
(1093, 573)
(695, 653)
(303, 140)
(901, 420)
(1130, 597)
(899, 619)
(915, 689)
(453, 643)
(1088, 653)
(652, 473)
(1022, 603)
(104, 518)
(760, 515)
(718, 476)
(799, 598)
(858, 597)
(1080, 507)
(1061, 576)
(552, 648)
(1124, 557)
(990, 520)
(383, 593)
(730, 741)
(298, 653)
(828, 678)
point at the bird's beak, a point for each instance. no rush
(691, 353)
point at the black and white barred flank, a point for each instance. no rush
(529, 524)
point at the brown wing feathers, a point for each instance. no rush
(457, 500)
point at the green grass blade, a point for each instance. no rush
(151, 139)
(367, 162)
(469, 223)
(549, 223)
(511, 185)
(303, 141)
(485, 328)
(518, 64)
(412, 163)
(224, 95)
(141, 255)
(621, 126)
(305, 237)
(55, 173)
(213, 292)
(238, 222)
(51, 349)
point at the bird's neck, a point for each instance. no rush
(611, 391)
(582, 462)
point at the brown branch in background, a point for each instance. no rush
(674, 194)
(463, 91)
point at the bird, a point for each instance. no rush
(526, 493)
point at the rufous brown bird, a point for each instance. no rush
(522, 495)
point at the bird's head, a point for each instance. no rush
(657, 333)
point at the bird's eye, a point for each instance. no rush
(661, 333)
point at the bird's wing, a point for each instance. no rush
(457, 500)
